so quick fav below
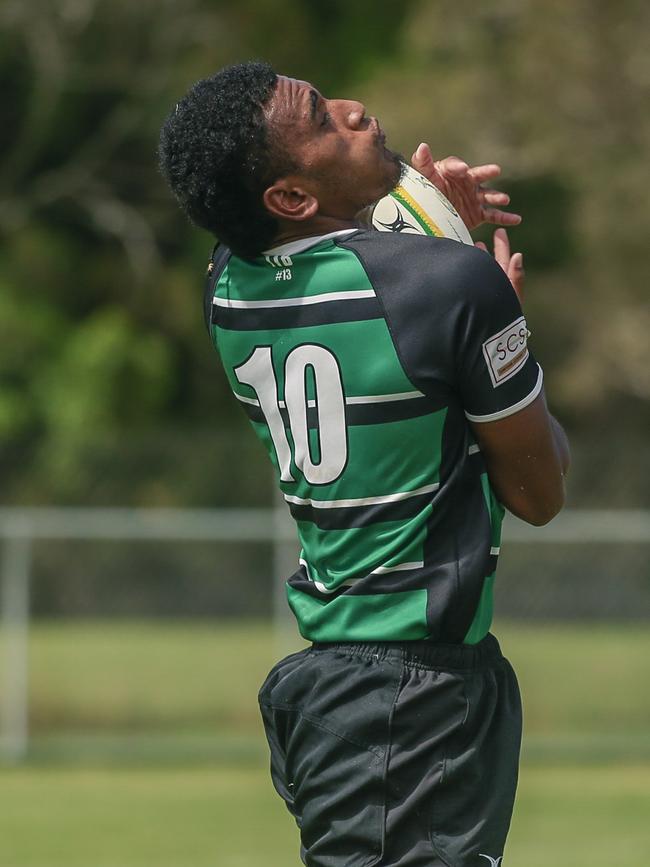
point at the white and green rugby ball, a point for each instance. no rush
(417, 207)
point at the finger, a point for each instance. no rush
(479, 174)
(516, 266)
(423, 162)
(516, 274)
(502, 249)
(453, 166)
(500, 218)
(422, 158)
(494, 197)
(481, 246)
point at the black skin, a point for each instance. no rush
(342, 163)
(289, 164)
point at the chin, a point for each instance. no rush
(392, 170)
(394, 173)
(399, 166)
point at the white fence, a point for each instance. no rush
(20, 528)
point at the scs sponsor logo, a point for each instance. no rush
(506, 352)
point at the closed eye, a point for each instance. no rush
(326, 118)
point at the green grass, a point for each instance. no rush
(229, 817)
(131, 676)
(570, 816)
(582, 678)
(147, 750)
(149, 818)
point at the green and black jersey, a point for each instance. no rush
(359, 358)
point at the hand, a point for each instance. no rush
(513, 264)
(462, 185)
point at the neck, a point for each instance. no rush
(295, 231)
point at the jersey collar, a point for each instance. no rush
(294, 247)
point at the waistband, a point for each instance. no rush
(421, 653)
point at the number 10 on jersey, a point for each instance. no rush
(329, 402)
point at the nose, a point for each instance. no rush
(355, 113)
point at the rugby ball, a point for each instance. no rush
(417, 207)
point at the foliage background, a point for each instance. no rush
(110, 392)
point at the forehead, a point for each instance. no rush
(291, 101)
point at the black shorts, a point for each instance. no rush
(399, 755)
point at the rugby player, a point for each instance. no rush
(390, 379)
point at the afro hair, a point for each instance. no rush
(218, 158)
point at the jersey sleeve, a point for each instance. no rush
(493, 368)
(455, 321)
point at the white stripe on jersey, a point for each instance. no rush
(380, 570)
(355, 401)
(251, 400)
(383, 570)
(382, 398)
(350, 295)
(361, 501)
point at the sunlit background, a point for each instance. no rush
(133, 642)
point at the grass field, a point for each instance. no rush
(147, 750)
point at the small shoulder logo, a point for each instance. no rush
(494, 862)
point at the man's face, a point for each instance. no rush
(339, 151)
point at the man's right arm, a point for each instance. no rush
(527, 458)
(461, 336)
(527, 454)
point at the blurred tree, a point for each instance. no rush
(102, 335)
(110, 391)
(558, 93)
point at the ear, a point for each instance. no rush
(288, 201)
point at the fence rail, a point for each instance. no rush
(20, 527)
